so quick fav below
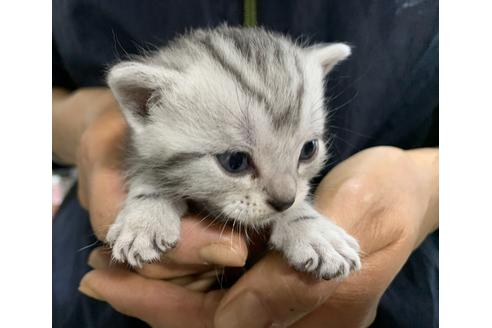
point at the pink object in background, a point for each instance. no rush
(56, 194)
(60, 185)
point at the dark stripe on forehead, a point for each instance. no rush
(300, 87)
(275, 64)
(177, 160)
(241, 43)
(289, 117)
(234, 71)
(262, 62)
(278, 53)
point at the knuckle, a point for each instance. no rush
(358, 190)
(84, 151)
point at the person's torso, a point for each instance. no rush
(385, 94)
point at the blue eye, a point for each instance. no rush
(234, 162)
(309, 149)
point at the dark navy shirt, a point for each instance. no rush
(386, 93)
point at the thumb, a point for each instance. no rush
(272, 293)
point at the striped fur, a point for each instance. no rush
(213, 91)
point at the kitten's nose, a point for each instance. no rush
(281, 205)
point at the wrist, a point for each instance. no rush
(427, 162)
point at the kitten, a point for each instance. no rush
(232, 118)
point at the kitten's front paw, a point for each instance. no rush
(137, 238)
(318, 246)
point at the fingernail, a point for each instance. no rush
(222, 255)
(86, 290)
(246, 310)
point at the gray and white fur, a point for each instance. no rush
(223, 91)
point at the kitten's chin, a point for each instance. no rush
(230, 214)
(249, 218)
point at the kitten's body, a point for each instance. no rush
(226, 117)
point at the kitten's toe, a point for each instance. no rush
(324, 249)
(120, 247)
(119, 242)
(135, 247)
(138, 237)
(302, 258)
(142, 250)
(349, 249)
(164, 244)
(113, 233)
(166, 236)
(319, 258)
(339, 253)
(333, 265)
(138, 246)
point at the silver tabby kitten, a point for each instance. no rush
(232, 118)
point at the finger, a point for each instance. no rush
(82, 189)
(100, 154)
(106, 194)
(201, 285)
(203, 282)
(272, 293)
(169, 271)
(205, 243)
(354, 206)
(201, 245)
(158, 303)
(354, 303)
(100, 258)
(197, 282)
(200, 242)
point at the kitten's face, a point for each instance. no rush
(243, 139)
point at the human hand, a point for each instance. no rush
(387, 199)
(202, 246)
(72, 113)
(363, 194)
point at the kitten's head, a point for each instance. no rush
(230, 117)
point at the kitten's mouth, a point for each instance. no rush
(204, 208)
(199, 207)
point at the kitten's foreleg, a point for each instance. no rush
(312, 243)
(148, 224)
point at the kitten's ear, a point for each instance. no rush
(328, 55)
(133, 84)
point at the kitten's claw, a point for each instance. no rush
(140, 241)
(324, 249)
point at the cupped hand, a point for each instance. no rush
(101, 190)
(383, 196)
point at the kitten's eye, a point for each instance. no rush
(234, 162)
(308, 150)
